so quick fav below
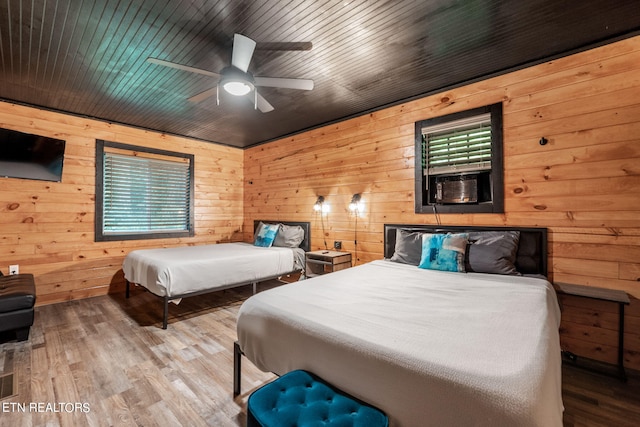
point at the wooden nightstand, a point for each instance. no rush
(322, 262)
(615, 296)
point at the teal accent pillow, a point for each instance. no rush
(265, 235)
(444, 252)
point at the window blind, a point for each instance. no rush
(458, 147)
(145, 195)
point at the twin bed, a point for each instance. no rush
(175, 273)
(428, 347)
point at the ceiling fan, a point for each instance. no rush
(236, 79)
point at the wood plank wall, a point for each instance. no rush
(584, 185)
(47, 228)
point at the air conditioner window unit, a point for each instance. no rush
(461, 188)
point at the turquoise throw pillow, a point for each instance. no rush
(266, 235)
(444, 252)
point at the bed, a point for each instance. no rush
(428, 347)
(176, 273)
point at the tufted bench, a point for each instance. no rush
(17, 298)
(301, 399)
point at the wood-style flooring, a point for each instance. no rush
(105, 361)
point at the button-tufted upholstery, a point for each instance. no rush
(301, 399)
(17, 298)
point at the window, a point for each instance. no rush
(460, 146)
(459, 162)
(142, 193)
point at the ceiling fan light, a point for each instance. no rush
(237, 88)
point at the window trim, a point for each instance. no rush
(99, 235)
(422, 204)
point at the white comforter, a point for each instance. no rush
(186, 269)
(429, 348)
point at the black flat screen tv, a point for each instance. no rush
(28, 156)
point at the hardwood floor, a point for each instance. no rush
(594, 400)
(105, 361)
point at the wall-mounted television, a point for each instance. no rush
(28, 156)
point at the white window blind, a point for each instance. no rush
(145, 195)
(460, 146)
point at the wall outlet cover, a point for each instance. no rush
(14, 269)
(337, 244)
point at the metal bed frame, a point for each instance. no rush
(305, 245)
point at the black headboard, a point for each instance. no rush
(532, 248)
(306, 226)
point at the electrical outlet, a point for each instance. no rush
(14, 269)
(337, 245)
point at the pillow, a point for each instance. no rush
(408, 247)
(493, 252)
(257, 229)
(444, 252)
(289, 236)
(265, 235)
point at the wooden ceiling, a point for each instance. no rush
(89, 57)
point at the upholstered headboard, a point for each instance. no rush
(306, 226)
(531, 257)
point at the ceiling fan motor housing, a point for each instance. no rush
(236, 81)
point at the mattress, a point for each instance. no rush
(429, 348)
(176, 272)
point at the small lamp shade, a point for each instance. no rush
(356, 205)
(321, 206)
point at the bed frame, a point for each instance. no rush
(531, 258)
(532, 248)
(305, 245)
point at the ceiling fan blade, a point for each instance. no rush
(263, 104)
(181, 67)
(243, 48)
(203, 95)
(302, 84)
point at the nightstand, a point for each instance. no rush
(615, 296)
(322, 262)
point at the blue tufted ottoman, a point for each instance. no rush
(301, 399)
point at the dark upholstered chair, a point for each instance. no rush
(17, 299)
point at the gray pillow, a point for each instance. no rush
(408, 248)
(493, 252)
(289, 236)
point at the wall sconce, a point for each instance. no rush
(321, 206)
(357, 204)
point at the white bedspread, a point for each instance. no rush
(185, 269)
(429, 348)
